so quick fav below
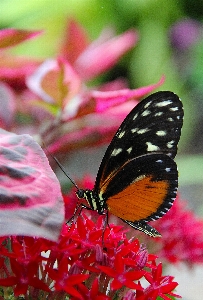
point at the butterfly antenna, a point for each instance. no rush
(64, 171)
(62, 168)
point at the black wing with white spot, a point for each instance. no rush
(153, 126)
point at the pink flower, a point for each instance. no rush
(182, 235)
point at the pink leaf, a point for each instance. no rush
(11, 37)
(55, 81)
(101, 56)
(30, 198)
(14, 69)
(75, 41)
(105, 100)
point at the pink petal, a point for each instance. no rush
(92, 130)
(55, 81)
(75, 41)
(95, 128)
(12, 37)
(96, 59)
(14, 70)
(30, 192)
(119, 83)
(105, 100)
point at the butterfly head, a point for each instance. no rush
(92, 200)
(81, 193)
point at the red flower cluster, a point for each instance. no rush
(182, 239)
(88, 262)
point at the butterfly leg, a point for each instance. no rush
(106, 222)
(77, 213)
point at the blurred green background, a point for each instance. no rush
(164, 48)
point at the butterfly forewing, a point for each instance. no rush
(153, 126)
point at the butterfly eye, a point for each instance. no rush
(80, 193)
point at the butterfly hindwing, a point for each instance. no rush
(144, 227)
(143, 189)
(154, 125)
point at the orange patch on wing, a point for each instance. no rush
(139, 200)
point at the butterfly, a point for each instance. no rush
(137, 180)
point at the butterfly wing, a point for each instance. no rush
(142, 190)
(153, 126)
